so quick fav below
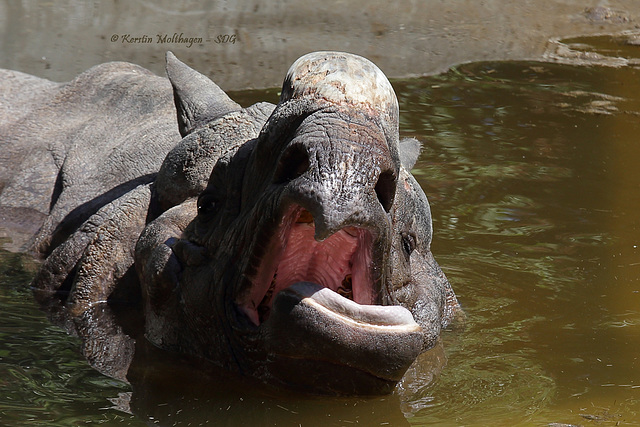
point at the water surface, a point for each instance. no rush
(533, 174)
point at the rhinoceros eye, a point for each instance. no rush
(408, 243)
(207, 204)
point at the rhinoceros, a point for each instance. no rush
(288, 243)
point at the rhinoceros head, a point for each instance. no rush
(306, 258)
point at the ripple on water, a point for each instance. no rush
(532, 172)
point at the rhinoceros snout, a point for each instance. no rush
(295, 161)
(292, 164)
(339, 188)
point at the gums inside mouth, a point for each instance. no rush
(341, 262)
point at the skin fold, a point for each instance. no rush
(288, 243)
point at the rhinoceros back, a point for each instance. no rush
(68, 149)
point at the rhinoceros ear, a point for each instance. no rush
(198, 99)
(409, 150)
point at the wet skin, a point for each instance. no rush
(289, 243)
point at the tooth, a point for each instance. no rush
(346, 289)
(269, 293)
(263, 308)
(347, 293)
(346, 282)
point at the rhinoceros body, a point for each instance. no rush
(286, 242)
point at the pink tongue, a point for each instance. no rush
(305, 259)
(343, 260)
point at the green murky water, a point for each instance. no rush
(533, 173)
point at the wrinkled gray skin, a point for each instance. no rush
(289, 243)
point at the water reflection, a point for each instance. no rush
(171, 389)
(43, 378)
(532, 173)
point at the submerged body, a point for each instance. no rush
(289, 243)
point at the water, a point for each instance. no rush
(533, 176)
(533, 173)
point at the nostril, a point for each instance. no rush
(293, 163)
(386, 189)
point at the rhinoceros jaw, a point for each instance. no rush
(341, 262)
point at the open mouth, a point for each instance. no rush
(341, 262)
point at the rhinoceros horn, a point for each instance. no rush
(198, 99)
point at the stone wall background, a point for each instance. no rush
(61, 38)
